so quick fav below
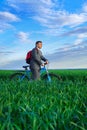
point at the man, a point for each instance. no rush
(36, 61)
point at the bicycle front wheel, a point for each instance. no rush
(19, 77)
(52, 77)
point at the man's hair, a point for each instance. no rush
(38, 42)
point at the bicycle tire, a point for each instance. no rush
(54, 77)
(19, 77)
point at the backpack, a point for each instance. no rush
(28, 57)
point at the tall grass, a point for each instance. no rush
(43, 106)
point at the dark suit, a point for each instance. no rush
(35, 63)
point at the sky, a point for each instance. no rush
(60, 24)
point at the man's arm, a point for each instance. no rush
(43, 58)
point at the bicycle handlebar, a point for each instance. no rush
(46, 66)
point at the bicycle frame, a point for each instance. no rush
(44, 69)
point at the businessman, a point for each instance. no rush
(36, 60)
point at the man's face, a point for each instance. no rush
(39, 45)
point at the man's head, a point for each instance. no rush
(39, 44)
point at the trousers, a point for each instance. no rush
(35, 74)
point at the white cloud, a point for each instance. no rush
(79, 44)
(80, 39)
(4, 26)
(84, 8)
(68, 63)
(77, 31)
(82, 35)
(12, 54)
(14, 6)
(46, 2)
(23, 37)
(54, 19)
(57, 19)
(70, 57)
(44, 12)
(8, 17)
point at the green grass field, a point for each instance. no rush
(44, 106)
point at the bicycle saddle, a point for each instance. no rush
(26, 66)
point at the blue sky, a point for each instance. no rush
(60, 24)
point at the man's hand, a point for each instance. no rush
(45, 63)
(42, 64)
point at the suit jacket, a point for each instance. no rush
(36, 59)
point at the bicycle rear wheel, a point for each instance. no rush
(18, 77)
(52, 77)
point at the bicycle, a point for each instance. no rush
(27, 75)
